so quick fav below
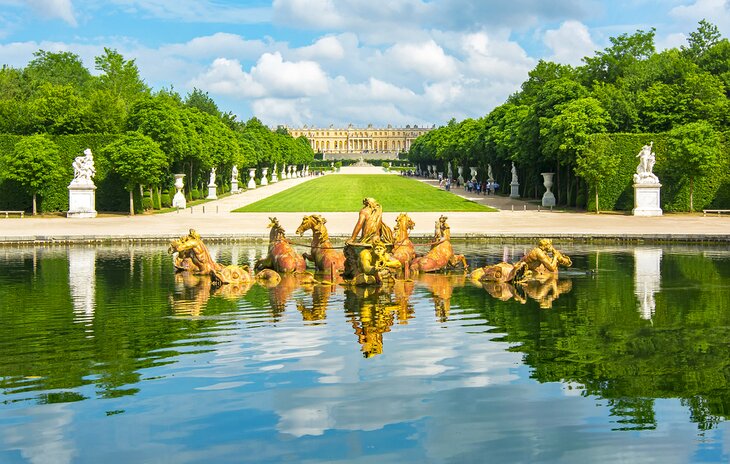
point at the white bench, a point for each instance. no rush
(718, 211)
(8, 213)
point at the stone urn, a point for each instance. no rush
(548, 199)
(264, 173)
(251, 180)
(178, 201)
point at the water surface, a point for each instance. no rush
(107, 356)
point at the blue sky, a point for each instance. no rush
(322, 62)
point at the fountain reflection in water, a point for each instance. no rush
(418, 365)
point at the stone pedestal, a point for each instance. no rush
(178, 201)
(548, 199)
(274, 177)
(514, 190)
(212, 194)
(251, 180)
(646, 200)
(81, 200)
(264, 173)
(234, 186)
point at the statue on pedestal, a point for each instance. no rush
(647, 159)
(84, 168)
(81, 190)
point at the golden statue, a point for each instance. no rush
(324, 256)
(441, 255)
(375, 265)
(539, 263)
(364, 265)
(403, 249)
(370, 224)
(189, 253)
(281, 257)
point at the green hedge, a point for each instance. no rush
(110, 194)
(617, 193)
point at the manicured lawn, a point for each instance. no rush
(335, 193)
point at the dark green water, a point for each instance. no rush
(107, 356)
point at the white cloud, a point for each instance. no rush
(61, 9)
(270, 77)
(285, 78)
(427, 59)
(675, 40)
(715, 11)
(328, 47)
(308, 13)
(227, 77)
(570, 43)
(219, 44)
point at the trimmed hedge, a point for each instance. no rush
(617, 193)
(110, 194)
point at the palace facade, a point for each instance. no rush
(352, 140)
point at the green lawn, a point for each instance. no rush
(344, 193)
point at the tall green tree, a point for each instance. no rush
(119, 76)
(613, 62)
(202, 101)
(59, 68)
(34, 164)
(596, 165)
(693, 151)
(138, 160)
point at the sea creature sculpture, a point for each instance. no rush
(539, 263)
(441, 255)
(281, 257)
(191, 254)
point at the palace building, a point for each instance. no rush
(370, 142)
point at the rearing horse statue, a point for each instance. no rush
(322, 253)
(282, 257)
(441, 255)
(403, 249)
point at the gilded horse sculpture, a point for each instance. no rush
(441, 255)
(403, 249)
(322, 253)
(281, 257)
(541, 262)
(191, 254)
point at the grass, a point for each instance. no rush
(344, 193)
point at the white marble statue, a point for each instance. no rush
(84, 168)
(514, 174)
(212, 176)
(644, 171)
(490, 176)
(234, 173)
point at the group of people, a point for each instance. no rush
(484, 187)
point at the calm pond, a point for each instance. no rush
(107, 356)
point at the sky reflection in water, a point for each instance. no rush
(106, 355)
